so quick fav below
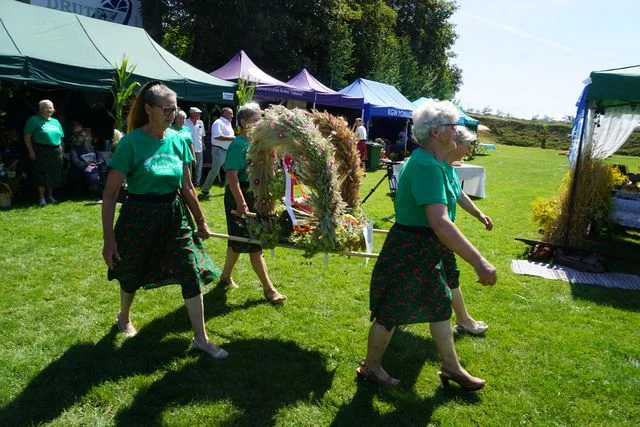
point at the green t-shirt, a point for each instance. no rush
(455, 184)
(152, 166)
(184, 132)
(423, 181)
(44, 132)
(236, 159)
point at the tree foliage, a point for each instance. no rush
(406, 43)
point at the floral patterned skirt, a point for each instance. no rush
(451, 270)
(237, 226)
(158, 246)
(408, 284)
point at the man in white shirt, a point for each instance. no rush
(361, 134)
(221, 136)
(196, 127)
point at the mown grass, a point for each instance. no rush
(555, 353)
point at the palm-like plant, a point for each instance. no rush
(122, 90)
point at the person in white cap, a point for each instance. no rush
(196, 126)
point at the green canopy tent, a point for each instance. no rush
(49, 47)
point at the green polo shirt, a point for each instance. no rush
(236, 159)
(152, 166)
(424, 181)
(184, 132)
(44, 132)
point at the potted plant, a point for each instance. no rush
(10, 184)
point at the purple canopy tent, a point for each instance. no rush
(268, 89)
(321, 94)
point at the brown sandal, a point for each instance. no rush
(274, 297)
(366, 373)
(227, 283)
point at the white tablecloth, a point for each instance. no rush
(473, 179)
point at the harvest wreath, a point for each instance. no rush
(326, 162)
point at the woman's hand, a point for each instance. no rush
(110, 252)
(203, 231)
(484, 219)
(487, 274)
(242, 209)
(32, 155)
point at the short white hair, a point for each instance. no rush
(42, 103)
(182, 114)
(433, 114)
(464, 135)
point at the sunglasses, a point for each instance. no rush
(168, 111)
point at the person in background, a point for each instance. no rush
(43, 138)
(84, 161)
(464, 321)
(361, 134)
(180, 127)
(408, 283)
(155, 241)
(221, 136)
(238, 201)
(196, 126)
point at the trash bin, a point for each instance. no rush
(373, 156)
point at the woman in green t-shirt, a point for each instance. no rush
(43, 139)
(238, 201)
(155, 241)
(464, 321)
(408, 284)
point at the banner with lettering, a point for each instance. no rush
(125, 12)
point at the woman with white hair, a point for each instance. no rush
(408, 284)
(464, 322)
(43, 139)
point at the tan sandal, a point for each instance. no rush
(274, 297)
(227, 283)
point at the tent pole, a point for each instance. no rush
(574, 181)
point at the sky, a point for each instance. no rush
(531, 57)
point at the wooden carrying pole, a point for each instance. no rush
(284, 245)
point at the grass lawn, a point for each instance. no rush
(555, 353)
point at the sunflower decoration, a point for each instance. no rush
(323, 227)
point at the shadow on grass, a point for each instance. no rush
(260, 375)
(404, 359)
(619, 298)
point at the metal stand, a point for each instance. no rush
(393, 183)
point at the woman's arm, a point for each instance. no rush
(451, 236)
(467, 204)
(234, 186)
(189, 193)
(109, 198)
(29, 145)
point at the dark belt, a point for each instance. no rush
(154, 198)
(417, 229)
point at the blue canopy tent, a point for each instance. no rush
(380, 100)
(464, 119)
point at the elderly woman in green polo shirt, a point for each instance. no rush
(184, 131)
(43, 138)
(157, 239)
(408, 284)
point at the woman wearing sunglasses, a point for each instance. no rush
(155, 241)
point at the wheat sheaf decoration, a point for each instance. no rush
(337, 131)
(329, 227)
